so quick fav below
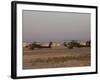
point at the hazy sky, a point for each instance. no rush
(44, 26)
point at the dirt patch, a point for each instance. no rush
(56, 57)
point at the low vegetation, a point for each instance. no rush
(61, 59)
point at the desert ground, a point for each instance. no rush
(56, 57)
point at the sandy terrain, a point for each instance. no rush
(56, 57)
